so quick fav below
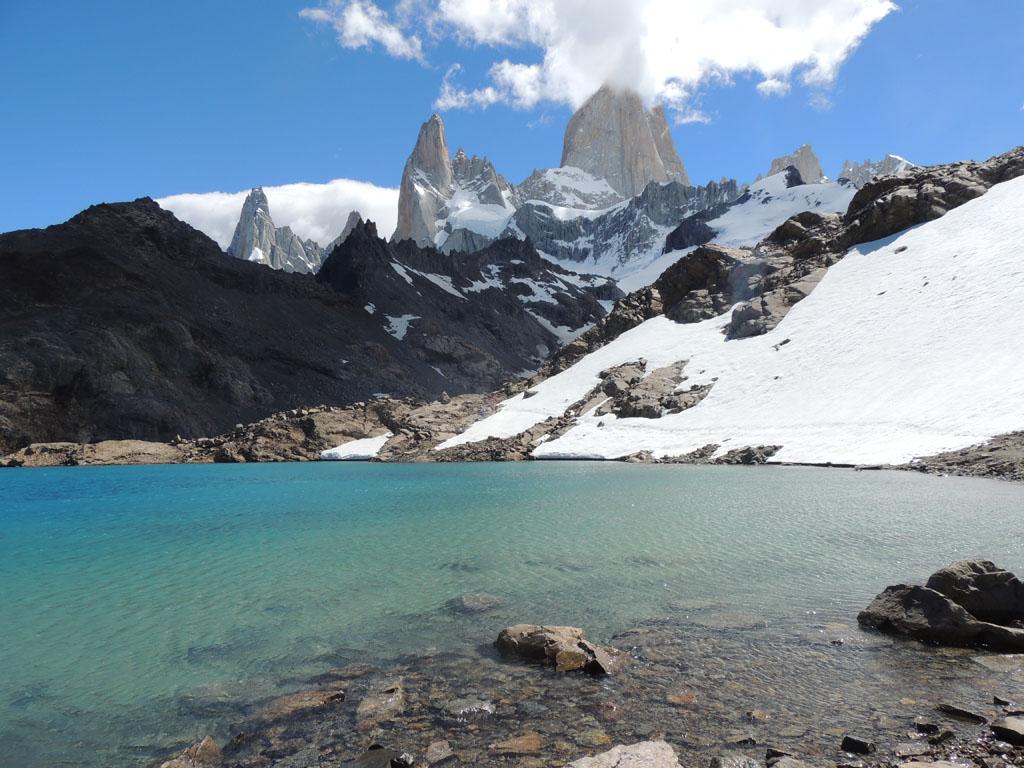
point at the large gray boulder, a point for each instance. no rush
(928, 615)
(564, 648)
(985, 590)
(645, 754)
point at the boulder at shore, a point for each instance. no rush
(969, 603)
(564, 648)
(645, 754)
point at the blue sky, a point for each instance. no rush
(109, 101)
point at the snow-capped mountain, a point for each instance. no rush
(860, 362)
(256, 239)
(487, 315)
(860, 174)
(743, 221)
(462, 199)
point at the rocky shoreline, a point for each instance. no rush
(533, 705)
(416, 427)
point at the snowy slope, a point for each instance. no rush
(909, 346)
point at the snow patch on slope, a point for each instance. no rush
(903, 350)
(357, 450)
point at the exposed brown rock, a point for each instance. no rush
(564, 648)
(204, 754)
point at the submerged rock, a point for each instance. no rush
(204, 754)
(377, 756)
(303, 701)
(564, 648)
(382, 702)
(477, 602)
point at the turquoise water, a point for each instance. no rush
(141, 605)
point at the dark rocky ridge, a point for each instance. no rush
(476, 315)
(125, 322)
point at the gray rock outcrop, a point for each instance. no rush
(427, 185)
(859, 174)
(614, 137)
(564, 648)
(804, 160)
(929, 615)
(645, 754)
(256, 239)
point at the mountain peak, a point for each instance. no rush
(613, 136)
(804, 160)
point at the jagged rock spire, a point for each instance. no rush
(256, 239)
(804, 160)
(614, 137)
(427, 182)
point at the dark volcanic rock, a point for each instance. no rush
(472, 316)
(927, 615)
(985, 591)
(127, 323)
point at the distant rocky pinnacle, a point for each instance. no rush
(804, 160)
(860, 174)
(256, 239)
(354, 219)
(614, 137)
(430, 180)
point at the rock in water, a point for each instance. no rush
(256, 239)
(613, 137)
(645, 754)
(1010, 729)
(477, 602)
(985, 590)
(564, 648)
(204, 754)
(303, 701)
(804, 160)
(930, 615)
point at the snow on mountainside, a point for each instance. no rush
(750, 218)
(902, 350)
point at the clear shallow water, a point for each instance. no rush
(141, 604)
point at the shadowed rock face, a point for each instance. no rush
(613, 137)
(941, 611)
(805, 162)
(985, 590)
(127, 323)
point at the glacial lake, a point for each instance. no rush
(144, 607)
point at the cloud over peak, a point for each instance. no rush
(561, 51)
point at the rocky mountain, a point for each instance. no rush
(469, 316)
(623, 239)
(615, 138)
(353, 220)
(124, 322)
(462, 199)
(710, 363)
(860, 174)
(805, 162)
(256, 239)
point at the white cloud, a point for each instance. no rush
(773, 86)
(664, 49)
(316, 211)
(453, 97)
(360, 23)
